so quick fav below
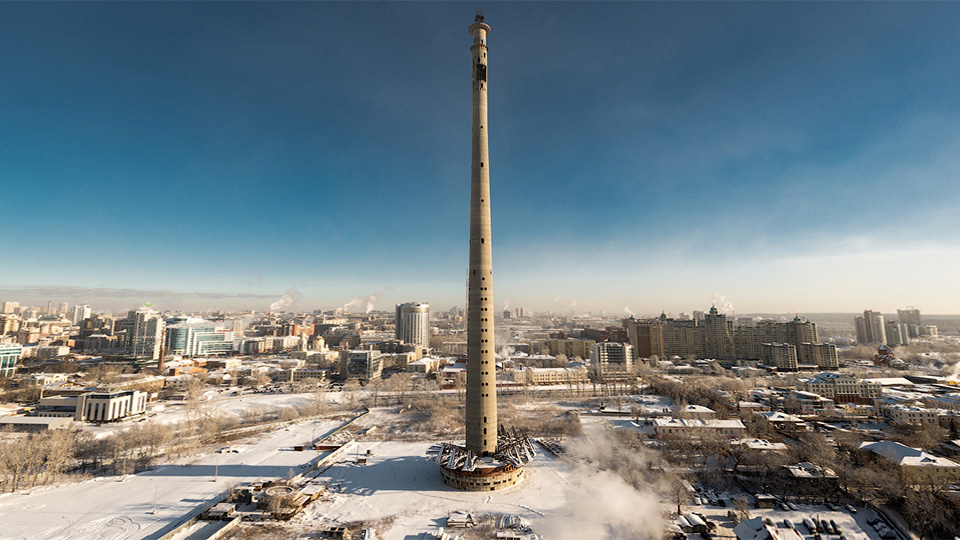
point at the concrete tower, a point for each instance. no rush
(493, 456)
(481, 419)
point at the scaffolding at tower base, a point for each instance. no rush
(464, 469)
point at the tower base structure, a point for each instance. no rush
(461, 469)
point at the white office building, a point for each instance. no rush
(413, 323)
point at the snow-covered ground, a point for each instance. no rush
(120, 508)
(400, 481)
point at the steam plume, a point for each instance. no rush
(291, 296)
(366, 303)
(601, 504)
(723, 305)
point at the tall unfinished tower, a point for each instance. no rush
(493, 456)
(481, 420)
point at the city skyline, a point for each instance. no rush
(646, 156)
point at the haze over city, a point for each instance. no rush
(645, 156)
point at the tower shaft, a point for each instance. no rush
(481, 414)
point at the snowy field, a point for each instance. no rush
(399, 491)
(123, 508)
(400, 481)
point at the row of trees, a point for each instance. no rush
(35, 459)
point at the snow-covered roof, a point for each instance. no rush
(778, 416)
(806, 469)
(762, 444)
(906, 456)
(697, 422)
(699, 409)
(756, 529)
(890, 381)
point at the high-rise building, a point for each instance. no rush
(63, 307)
(895, 333)
(144, 334)
(9, 307)
(823, 355)
(613, 361)
(870, 328)
(80, 312)
(781, 355)
(715, 336)
(910, 318)
(413, 323)
(718, 336)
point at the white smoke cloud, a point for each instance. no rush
(723, 305)
(600, 504)
(954, 372)
(626, 309)
(291, 296)
(365, 303)
(506, 304)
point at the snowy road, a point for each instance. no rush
(119, 508)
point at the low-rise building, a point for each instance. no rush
(43, 379)
(697, 411)
(358, 364)
(842, 388)
(34, 424)
(783, 421)
(548, 376)
(94, 406)
(454, 348)
(425, 365)
(9, 358)
(916, 466)
(908, 414)
(303, 374)
(696, 428)
(799, 402)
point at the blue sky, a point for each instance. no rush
(644, 156)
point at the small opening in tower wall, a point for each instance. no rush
(481, 164)
(481, 240)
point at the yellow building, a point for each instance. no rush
(569, 347)
(916, 466)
